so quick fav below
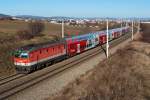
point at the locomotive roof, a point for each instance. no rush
(32, 47)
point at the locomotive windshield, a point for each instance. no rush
(24, 55)
(21, 55)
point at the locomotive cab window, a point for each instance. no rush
(24, 55)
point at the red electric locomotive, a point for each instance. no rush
(33, 57)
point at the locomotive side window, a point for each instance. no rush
(54, 50)
(45, 51)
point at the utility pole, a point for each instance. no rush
(139, 26)
(107, 44)
(121, 25)
(62, 28)
(132, 30)
(126, 23)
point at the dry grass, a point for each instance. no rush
(6, 63)
(119, 78)
(7, 26)
(122, 77)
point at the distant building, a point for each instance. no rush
(16, 18)
(53, 21)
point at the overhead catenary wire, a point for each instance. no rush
(121, 25)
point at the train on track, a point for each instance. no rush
(34, 57)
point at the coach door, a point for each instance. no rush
(78, 48)
(97, 39)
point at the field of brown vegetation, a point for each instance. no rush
(124, 76)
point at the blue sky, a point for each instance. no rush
(77, 8)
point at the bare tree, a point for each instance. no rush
(23, 34)
(35, 28)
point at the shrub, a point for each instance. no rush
(23, 35)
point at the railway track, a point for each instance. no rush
(3, 78)
(16, 83)
(10, 78)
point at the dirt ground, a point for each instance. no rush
(124, 76)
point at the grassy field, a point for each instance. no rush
(12, 27)
(124, 76)
(7, 26)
